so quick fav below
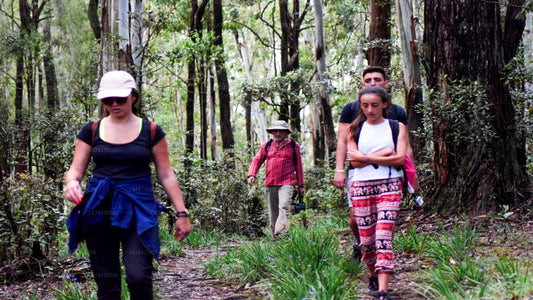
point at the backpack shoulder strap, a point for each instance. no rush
(153, 126)
(94, 127)
(267, 147)
(395, 131)
(294, 158)
(359, 134)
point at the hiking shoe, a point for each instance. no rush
(382, 296)
(357, 255)
(373, 284)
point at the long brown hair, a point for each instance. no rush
(355, 127)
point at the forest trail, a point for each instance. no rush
(185, 277)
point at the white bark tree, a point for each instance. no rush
(407, 23)
(122, 38)
(326, 120)
(259, 125)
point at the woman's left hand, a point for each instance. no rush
(182, 228)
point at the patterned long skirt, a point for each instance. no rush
(375, 206)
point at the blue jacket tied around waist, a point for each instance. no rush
(132, 201)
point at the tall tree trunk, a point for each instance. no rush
(202, 70)
(258, 117)
(222, 80)
(317, 133)
(202, 99)
(5, 141)
(21, 164)
(284, 18)
(195, 34)
(212, 114)
(248, 115)
(294, 64)
(379, 52)
(122, 33)
(29, 20)
(125, 54)
(514, 28)
(49, 69)
(247, 97)
(412, 78)
(463, 42)
(49, 140)
(191, 66)
(92, 14)
(117, 53)
(290, 31)
(136, 47)
(323, 91)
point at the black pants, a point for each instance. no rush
(103, 243)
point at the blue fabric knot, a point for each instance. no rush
(132, 202)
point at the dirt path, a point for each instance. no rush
(184, 277)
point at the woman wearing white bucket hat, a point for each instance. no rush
(284, 160)
(118, 207)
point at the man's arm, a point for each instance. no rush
(340, 156)
(258, 160)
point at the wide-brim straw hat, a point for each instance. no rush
(279, 125)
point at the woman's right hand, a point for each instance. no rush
(182, 228)
(73, 191)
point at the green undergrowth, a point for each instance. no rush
(304, 264)
(460, 261)
(452, 262)
(457, 263)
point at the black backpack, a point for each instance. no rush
(395, 132)
(293, 146)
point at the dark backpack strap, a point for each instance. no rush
(359, 133)
(94, 127)
(395, 131)
(293, 146)
(395, 127)
(294, 158)
(153, 126)
(268, 147)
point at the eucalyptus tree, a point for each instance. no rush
(478, 162)
(196, 16)
(121, 38)
(325, 119)
(412, 78)
(379, 37)
(27, 54)
(291, 26)
(222, 79)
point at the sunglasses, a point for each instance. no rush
(118, 100)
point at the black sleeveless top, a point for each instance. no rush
(121, 161)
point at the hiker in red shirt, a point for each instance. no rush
(283, 162)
